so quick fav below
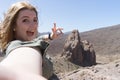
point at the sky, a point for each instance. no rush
(83, 15)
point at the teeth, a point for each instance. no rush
(29, 33)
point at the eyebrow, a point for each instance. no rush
(26, 17)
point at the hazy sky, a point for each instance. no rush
(83, 15)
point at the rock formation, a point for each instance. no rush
(79, 52)
(72, 48)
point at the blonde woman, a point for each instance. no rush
(23, 47)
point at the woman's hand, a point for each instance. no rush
(56, 31)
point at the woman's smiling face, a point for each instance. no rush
(26, 27)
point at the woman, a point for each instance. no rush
(23, 47)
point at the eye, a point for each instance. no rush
(35, 20)
(25, 20)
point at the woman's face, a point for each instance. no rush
(26, 25)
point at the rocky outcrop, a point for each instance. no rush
(77, 51)
(72, 48)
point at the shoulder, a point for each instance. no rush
(12, 45)
(38, 42)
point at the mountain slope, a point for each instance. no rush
(106, 42)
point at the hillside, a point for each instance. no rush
(106, 42)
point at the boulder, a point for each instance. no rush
(88, 53)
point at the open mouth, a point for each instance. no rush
(30, 33)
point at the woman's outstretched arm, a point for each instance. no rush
(23, 63)
(7, 74)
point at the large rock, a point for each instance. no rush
(72, 48)
(77, 51)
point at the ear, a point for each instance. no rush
(14, 29)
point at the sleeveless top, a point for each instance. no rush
(42, 45)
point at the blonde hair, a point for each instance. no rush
(7, 25)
